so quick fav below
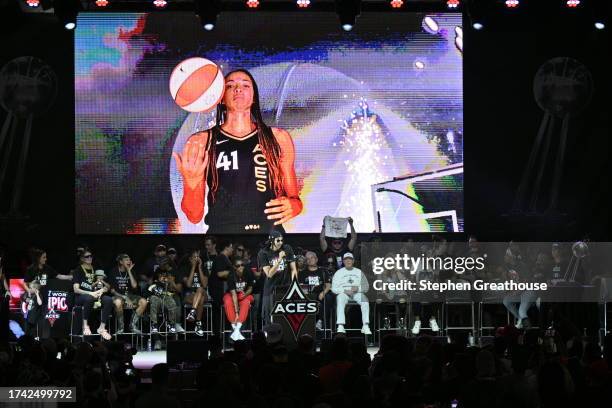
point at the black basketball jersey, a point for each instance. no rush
(243, 186)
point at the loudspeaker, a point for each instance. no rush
(187, 351)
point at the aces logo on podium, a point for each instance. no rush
(294, 307)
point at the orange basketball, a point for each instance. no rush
(197, 85)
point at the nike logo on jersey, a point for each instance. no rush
(222, 141)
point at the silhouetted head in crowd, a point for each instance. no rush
(339, 349)
(159, 375)
(306, 344)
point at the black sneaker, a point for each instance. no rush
(198, 329)
(154, 328)
(191, 316)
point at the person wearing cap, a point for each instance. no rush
(100, 284)
(86, 294)
(124, 288)
(275, 259)
(334, 252)
(172, 257)
(349, 283)
(160, 254)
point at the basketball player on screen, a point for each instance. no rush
(243, 167)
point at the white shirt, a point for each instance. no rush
(345, 279)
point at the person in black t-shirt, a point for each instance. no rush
(217, 283)
(318, 282)
(277, 262)
(124, 288)
(146, 275)
(163, 294)
(238, 297)
(335, 251)
(33, 303)
(40, 272)
(195, 281)
(209, 254)
(260, 278)
(85, 295)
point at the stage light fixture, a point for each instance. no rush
(477, 25)
(101, 3)
(348, 11)
(452, 4)
(160, 3)
(208, 11)
(572, 3)
(599, 25)
(66, 11)
(33, 3)
(512, 4)
(396, 3)
(303, 3)
(252, 3)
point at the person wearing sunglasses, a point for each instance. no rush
(277, 261)
(83, 279)
(238, 297)
(335, 250)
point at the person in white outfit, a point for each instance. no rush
(350, 283)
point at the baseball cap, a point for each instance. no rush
(348, 255)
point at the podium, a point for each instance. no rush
(295, 312)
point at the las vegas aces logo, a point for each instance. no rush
(294, 307)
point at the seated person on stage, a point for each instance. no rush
(195, 281)
(338, 247)
(523, 299)
(349, 283)
(432, 276)
(318, 282)
(86, 294)
(238, 297)
(162, 293)
(32, 306)
(124, 288)
(393, 298)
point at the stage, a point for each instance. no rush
(145, 360)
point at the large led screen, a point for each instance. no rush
(367, 124)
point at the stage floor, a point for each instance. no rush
(145, 360)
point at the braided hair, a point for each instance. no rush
(268, 143)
